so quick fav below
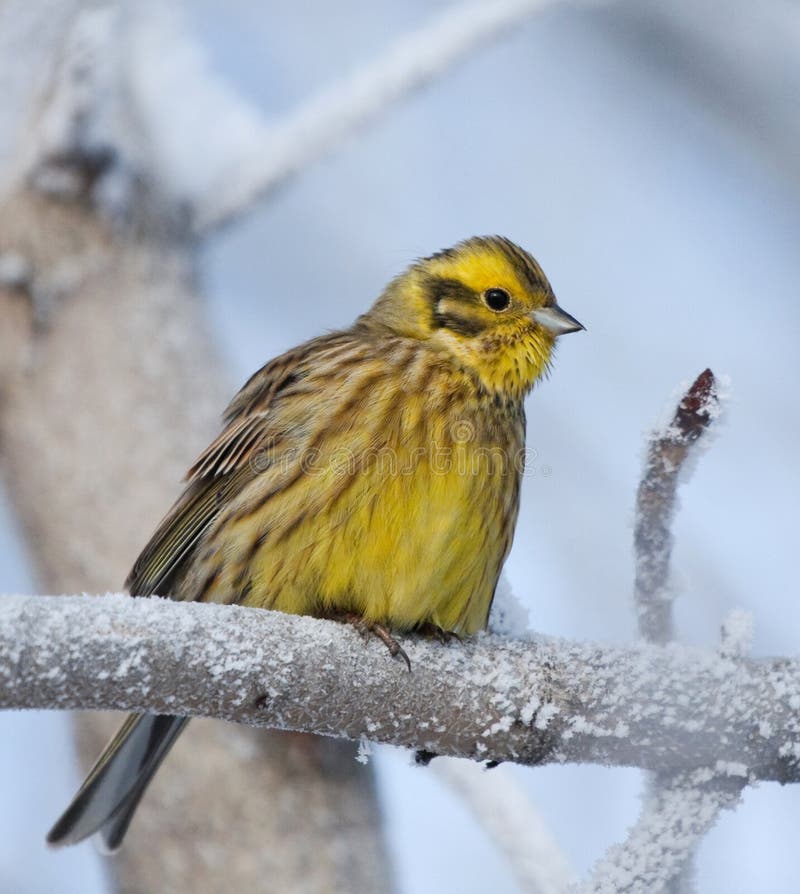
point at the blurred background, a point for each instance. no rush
(647, 155)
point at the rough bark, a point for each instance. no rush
(111, 384)
(488, 698)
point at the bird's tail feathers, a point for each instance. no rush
(108, 798)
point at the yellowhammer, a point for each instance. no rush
(369, 474)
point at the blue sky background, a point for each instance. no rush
(652, 200)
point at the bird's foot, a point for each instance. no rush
(422, 757)
(372, 628)
(434, 631)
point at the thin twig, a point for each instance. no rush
(679, 808)
(655, 506)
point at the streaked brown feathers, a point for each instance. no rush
(374, 471)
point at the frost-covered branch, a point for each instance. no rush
(678, 807)
(681, 809)
(512, 822)
(667, 453)
(116, 112)
(533, 702)
(414, 61)
(505, 812)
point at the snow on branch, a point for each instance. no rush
(667, 453)
(539, 701)
(678, 807)
(681, 809)
(509, 818)
(340, 110)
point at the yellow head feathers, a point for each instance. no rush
(487, 302)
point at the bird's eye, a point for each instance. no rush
(497, 299)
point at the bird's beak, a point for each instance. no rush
(556, 320)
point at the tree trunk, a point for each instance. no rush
(110, 386)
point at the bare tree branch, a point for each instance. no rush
(532, 702)
(679, 808)
(513, 823)
(344, 108)
(655, 506)
(507, 813)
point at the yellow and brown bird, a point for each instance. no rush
(369, 474)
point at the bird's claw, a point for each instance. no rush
(367, 628)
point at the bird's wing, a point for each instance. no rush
(247, 417)
(175, 538)
(254, 427)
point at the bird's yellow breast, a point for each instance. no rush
(405, 524)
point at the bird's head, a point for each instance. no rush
(487, 303)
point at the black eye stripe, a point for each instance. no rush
(450, 302)
(497, 299)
